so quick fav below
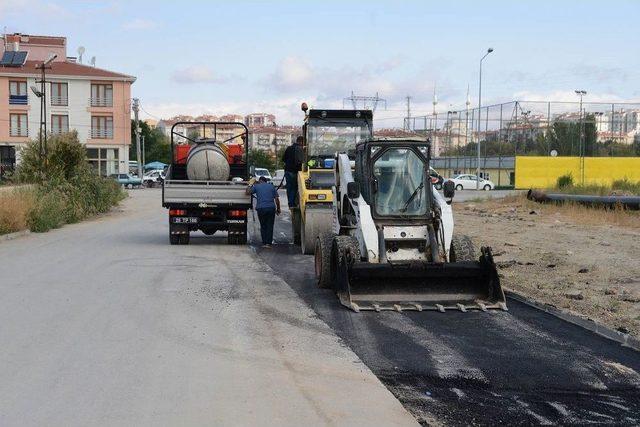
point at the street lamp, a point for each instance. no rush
(479, 115)
(42, 94)
(581, 93)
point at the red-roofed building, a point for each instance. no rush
(94, 101)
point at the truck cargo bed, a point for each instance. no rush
(205, 194)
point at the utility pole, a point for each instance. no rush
(42, 94)
(136, 109)
(581, 93)
(144, 151)
(479, 116)
(408, 126)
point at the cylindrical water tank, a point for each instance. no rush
(207, 162)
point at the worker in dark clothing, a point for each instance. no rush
(292, 159)
(267, 206)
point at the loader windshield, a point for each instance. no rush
(326, 137)
(400, 177)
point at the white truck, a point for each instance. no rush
(205, 185)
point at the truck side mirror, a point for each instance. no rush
(449, 189)
(353, 190)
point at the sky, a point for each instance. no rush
(219, 57)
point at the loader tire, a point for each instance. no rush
(344, 248)
(323, 260)
(462, 249)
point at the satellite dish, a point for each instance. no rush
(81, 50)
(93, 61)
(554, 153)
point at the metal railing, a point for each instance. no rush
(59, 100)
(18, 132)
(101, 101)
(102, 133)
(18, 100)
(57, 130)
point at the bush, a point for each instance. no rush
(565, 181)
(66, 157)
(66, 190)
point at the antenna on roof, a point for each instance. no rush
(81, 50)
(93, 61)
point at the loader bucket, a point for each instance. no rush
(468, 285)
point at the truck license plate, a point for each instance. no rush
(185, 219)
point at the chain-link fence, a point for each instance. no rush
(530, 128)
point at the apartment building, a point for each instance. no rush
(94, 101)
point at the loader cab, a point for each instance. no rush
(394, 178)
(327, 132)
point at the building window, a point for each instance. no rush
(7, 160)
(59, 94)
(59, 123)
(18, 93)
(103, 161)
(102, 127)
(102, 95)
(18, 125)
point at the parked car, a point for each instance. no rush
(279, 177)
(468, 182)
(127, 180)
(258, 172)
(153, 177)
(436, 179)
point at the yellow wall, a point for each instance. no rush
(542, 172)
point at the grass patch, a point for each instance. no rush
(14, 210)
(568, 212)
(624, 186)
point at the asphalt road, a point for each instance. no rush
(105, 323)
(519, 367)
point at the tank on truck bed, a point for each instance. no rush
(205, 186)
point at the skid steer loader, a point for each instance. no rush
(392, 245)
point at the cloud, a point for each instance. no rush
(196, 74)
(140, 24)
(292, 73)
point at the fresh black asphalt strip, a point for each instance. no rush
(519, 367)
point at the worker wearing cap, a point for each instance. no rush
(267, 206)
(292, 158)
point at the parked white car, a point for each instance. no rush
(468, 182)
(154, 177)
(258, 172)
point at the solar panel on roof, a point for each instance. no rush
(7, 58)
(19, 58)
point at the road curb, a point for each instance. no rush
(15, 235)
(626, 340)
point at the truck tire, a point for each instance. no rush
(174, 239)
(323, 260)
(184, 238)
(237, 234)
(462, 249)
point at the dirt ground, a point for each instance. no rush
(576, 258)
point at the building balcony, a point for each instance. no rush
(18, 132)
(102, 133)
(101, 102)
(18, 100)
(59, 101)
(58, 131)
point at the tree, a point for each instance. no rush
(261, 159)
(157, 146)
